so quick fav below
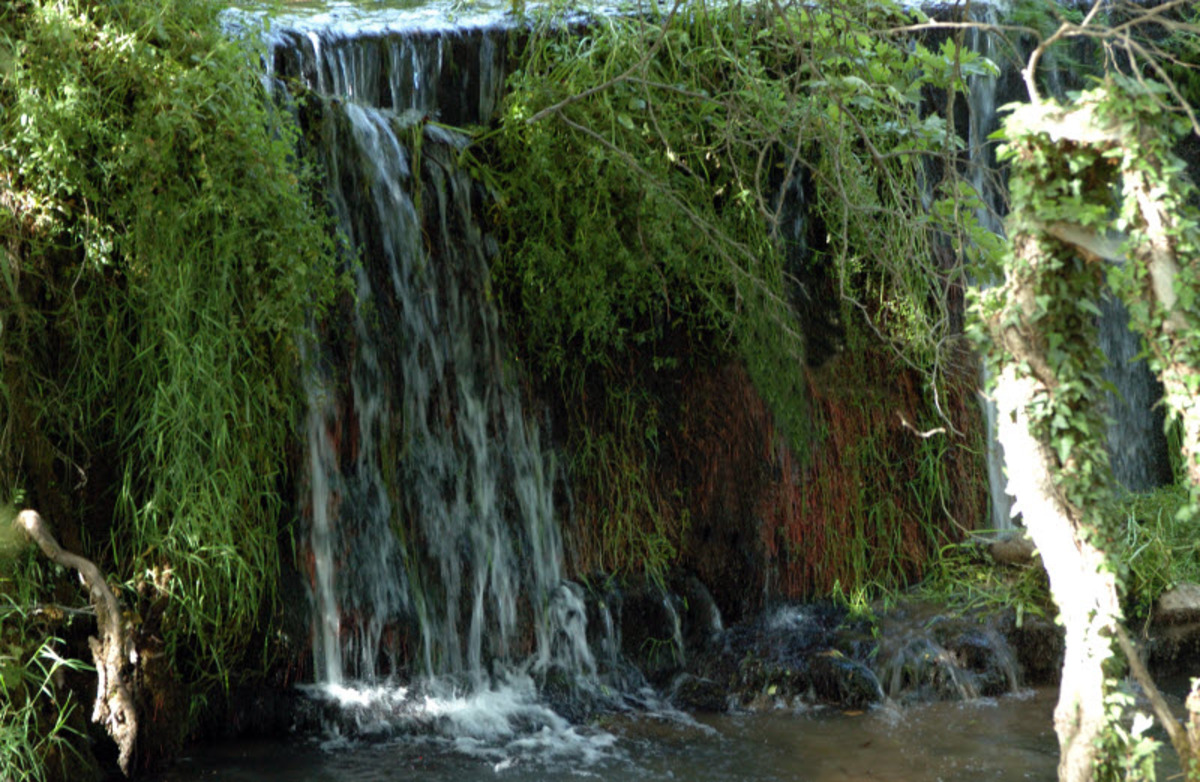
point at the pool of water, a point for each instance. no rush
(1003, 739)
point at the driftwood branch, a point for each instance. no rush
(115, 708)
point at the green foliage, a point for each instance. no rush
(1153, 550)
(634, 528)
(1129, 752)
(964, 577)
(1167, 321)
(639, 167)
(161, 254)
(1157, 550)
(34, 715)
(1104, 162)
(34, 711)
(1058, 302)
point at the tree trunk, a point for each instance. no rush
(1084, 589)
(1172, 288)
(1067, 160)
(1082, 585)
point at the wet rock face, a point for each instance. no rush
(1178, 606)
(797, 656)
(264, 712)
(792, 657)
(842, 681)
(925, 655)
(1037, 644)
(698, 694)
(652, 631)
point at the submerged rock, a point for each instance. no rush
(1037, 644)
(567, 694)
(842, 681)
(652, 631)
(793, 656)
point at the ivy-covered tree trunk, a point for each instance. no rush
(1068, 162)
(1038, 410)
(1083, 587)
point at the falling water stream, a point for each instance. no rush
(982, 101)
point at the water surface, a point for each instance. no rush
(1002, 740)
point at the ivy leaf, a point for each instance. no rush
(1064, 446)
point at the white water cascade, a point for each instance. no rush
(434, 552)
(437, 590)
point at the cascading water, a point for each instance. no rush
(432, 535)
(434, 554)
(983, 89)
(1137, 443)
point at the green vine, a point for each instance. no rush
(1097, 201)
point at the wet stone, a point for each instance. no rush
(1174, 643)
(1014, 547)
(651, 632)
(927, 655)
(566, 695)
(1037, 644)
(793, 656)
(697, 694)
(843, 682)
(265, 712)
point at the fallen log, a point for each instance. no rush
(115, 707)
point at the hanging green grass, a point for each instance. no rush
(161, 252)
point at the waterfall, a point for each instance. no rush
(1137, 443)
(431, 542)
(430, 496)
